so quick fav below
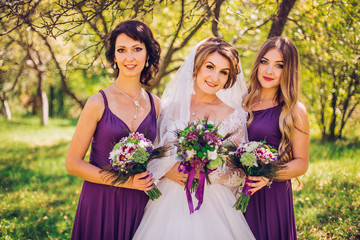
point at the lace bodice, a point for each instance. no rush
(235, 123)
(227, 175)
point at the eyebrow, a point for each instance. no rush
(281, 61)
(214, 65)
(135, 45)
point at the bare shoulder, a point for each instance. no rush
(301, 117)
(95, 105)
(299, 110)
(226, 110)
(95, 101)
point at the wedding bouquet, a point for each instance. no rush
(255, 159)
(131, 156)
(201, 149)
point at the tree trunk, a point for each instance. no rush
(352, 90)
(215, 21)
(6, 107)
(322, 104)
(44, 104)
(44, 109)
(280, 18)
(60, 101)
(51, 102)
(334, 98)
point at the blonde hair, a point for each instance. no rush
(288, 90)
(215, 44)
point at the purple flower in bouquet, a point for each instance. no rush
(197, 163)
(191, 136)
(184, 154)
(210, 137)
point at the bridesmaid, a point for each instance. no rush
(105, 211)
(277, 116)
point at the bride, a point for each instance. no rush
(208, 84)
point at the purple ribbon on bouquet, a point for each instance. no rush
(199, 194)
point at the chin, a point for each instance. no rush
(206, 89)
(269, 85)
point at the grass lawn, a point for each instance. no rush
(38, 198)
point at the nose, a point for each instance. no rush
(215, 76)
(269, 69)
(130, 55)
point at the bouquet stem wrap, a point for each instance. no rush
(153, 193)
(243, 200)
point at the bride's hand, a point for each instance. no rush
(176, 176)
(259, 183)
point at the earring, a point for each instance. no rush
(115, 64)
(147, 63)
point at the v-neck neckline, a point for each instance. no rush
(149, 114)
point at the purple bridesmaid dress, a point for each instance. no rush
(107, 212)
(270, 213)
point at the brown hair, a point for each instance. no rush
(139, 32)
(288, 90)
(215, 44)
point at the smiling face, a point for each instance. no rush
(213, 74)
(130, 56)
(270, 69)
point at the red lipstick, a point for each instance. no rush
(268, 78)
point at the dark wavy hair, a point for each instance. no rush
(139, 32)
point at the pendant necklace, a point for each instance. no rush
(136, 102)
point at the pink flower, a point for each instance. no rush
(210, 137)
(191, 136)
(121, 158)
(131, 149)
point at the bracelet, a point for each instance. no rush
(269, 183)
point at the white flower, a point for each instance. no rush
(252, 146)
(114, 153)
(129, 145)
(181, 139)
(190, 153)
(199, 127)
(144, 144)
(212, 155)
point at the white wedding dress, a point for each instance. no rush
(169, 218)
